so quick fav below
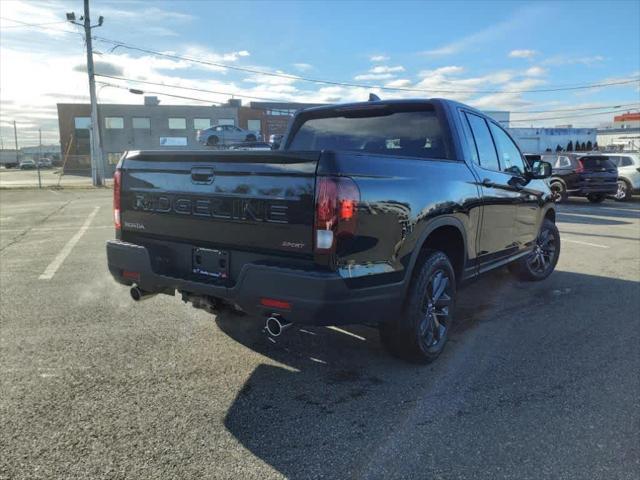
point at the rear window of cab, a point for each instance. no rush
(383, 131)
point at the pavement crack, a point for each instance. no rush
(21, 235)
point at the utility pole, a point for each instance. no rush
(39, 157)
(97, 167)
(15, 137)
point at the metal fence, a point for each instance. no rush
(73, 171)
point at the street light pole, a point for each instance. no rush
(97, 165)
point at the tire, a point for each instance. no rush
(558, 192)
(213, 141)
(420, 333)
(625, 191)
(250, 138)
(596, 197)
(542, 261)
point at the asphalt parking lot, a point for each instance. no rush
(539, 380)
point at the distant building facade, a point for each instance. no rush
(622, 134)
(540, 140)
(152, 126)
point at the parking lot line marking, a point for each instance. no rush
(585, 243)
(336, 329)
(51, 270)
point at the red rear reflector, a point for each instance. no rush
(131, 275)
(273, 303)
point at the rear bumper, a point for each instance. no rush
(316, 298)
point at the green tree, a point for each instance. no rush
(589, 145)
(570, 146)
(558, 148)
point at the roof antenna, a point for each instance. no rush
(373, 97)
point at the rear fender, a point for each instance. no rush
(428, 230)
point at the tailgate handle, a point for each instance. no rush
(202, 175)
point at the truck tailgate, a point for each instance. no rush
(236, 200)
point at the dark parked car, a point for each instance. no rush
(370, 213)
(581, 175)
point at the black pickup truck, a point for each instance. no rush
(367, 213)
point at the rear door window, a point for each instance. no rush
(597, 163)
(484, 143)
(413, 133)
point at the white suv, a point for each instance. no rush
(628, 174)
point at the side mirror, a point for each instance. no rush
(540, 169)
(275, 146)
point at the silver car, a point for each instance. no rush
(225, 135)
(628, 174)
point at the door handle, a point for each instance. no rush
(486, 182)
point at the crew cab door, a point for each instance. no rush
(500, 196)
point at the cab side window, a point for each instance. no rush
(483, 142)
(510, 156)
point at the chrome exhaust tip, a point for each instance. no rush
(138, 294)
(274, 325)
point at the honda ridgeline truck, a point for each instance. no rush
(367, 213)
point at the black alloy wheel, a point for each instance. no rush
(542, 260)
(421, 332)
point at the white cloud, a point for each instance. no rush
(400, 82)
(522, 53)
(587, 60)
(378, 58)
(535, 71)
(303, 67)
(374, 76)
(448, 70)
(386, 69)
(523, 18)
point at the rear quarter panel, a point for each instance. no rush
(401, 198)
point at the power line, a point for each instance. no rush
(572, 116)
(240, 94)
(515, 121)
(23, 24)
(579, 109)
(349, 84)
(118, 43)
(161, 93)
(39, 25)
(232, 94)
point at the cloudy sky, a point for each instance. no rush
(481, 53)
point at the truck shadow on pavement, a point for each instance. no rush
(325, 403)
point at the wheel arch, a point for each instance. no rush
(446, 234)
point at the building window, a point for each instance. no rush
(201, 123)
(226, 121)
(254, 125)
(82, 123)
(177, 124)
(141, 122)
(113, 157)
(114, 123)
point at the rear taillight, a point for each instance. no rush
(117, 190)
(337, 201)
(580, 168)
